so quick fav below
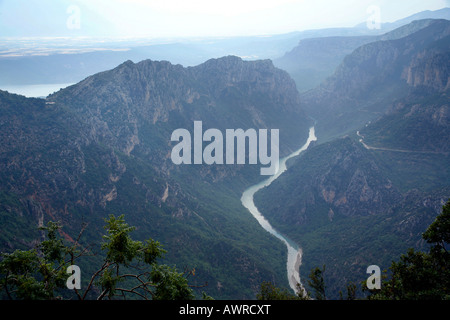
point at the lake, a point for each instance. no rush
(34, 90)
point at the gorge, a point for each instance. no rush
(294, 254)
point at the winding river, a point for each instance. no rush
(294, 256)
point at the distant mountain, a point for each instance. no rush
(60, 60)
(443, 13)
(315, 59)
(54, 60)
(368, 79)
(103, 147)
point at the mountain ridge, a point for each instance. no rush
(315, 59)
(359, 82)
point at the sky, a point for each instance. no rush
(193, 18)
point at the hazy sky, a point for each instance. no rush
(179, 18)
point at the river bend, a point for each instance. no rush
(294, 256)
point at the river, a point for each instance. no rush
(294, 256)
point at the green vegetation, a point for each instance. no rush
(416, 123)
(269, 291)
(422, 275)
(417, 275)
(129, 270)
(317, 283)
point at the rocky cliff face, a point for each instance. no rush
(338, 179)
(313, 60)
(429, 70)
(121, 103)
(375, 74)
(383, 61)
(419, 121)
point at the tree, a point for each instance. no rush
(417, 275)
(422, 275)
(438, 233)
(36, 273)
(268, 291)
(129, 268)
(351, 292)
(317, 283)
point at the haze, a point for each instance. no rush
(197, 18)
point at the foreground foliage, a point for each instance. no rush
(422, 275)
(129, 269)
